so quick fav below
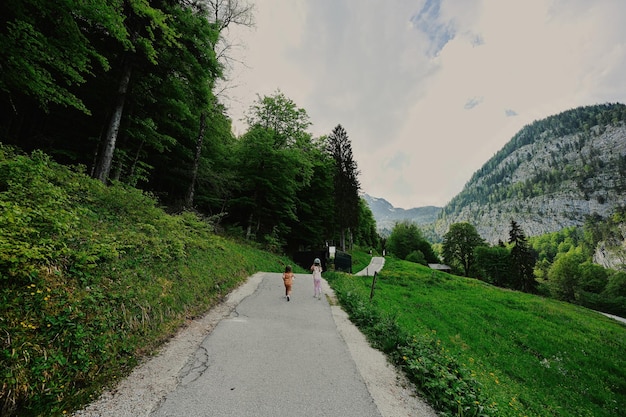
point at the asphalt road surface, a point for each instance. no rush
(258, 354)
(273, 357)
(376, 264)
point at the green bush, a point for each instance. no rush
(416, 257)
(92, 278)
(407, 237)
(616, 287)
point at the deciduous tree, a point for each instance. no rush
(273, 166)
(144, 24)
(283, 117)
(405, 238)
(564, 275)
(315, 202)
(459, 245)
(45, 50)
(493, 264)
(366, 234)
(222, 14)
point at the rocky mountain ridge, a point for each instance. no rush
(552, 174)
(549, 182)
(386, 215)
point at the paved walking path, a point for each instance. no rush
(614, 317)
(376, 264)
(260, 355)
(273, 358)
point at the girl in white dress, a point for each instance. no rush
(316, 268)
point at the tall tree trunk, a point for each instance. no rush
(351, 240)
(117, 172)
(103, 165)
(343, 239)
(249, 228)
(196, 162)
(133, 166)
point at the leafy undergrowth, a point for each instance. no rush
(476, 350)
(92, 278)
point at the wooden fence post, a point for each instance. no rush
(373, 285)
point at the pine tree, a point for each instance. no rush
(522, 260)
(346, 183)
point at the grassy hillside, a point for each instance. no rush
(476, 350)
(92, 278)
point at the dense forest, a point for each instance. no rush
(94, 274)
(126, 91)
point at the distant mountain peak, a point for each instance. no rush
(386, 215)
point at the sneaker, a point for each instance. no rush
(287, 298)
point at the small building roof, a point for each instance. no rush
(440, 267)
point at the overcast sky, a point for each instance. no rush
(429, 90)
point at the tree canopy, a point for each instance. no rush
(406, 238)
(346, 183)
(459, 245)
(128, 91)
(522, 260)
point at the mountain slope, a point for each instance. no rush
(551, 175)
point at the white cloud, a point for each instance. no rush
(429, 90)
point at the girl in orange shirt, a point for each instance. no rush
(288, 280)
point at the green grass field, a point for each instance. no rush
(505, 353)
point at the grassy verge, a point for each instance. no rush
(92, 278)
(360, 260)
(476, 350)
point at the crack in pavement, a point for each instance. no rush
(148, 385)
(196, 367)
